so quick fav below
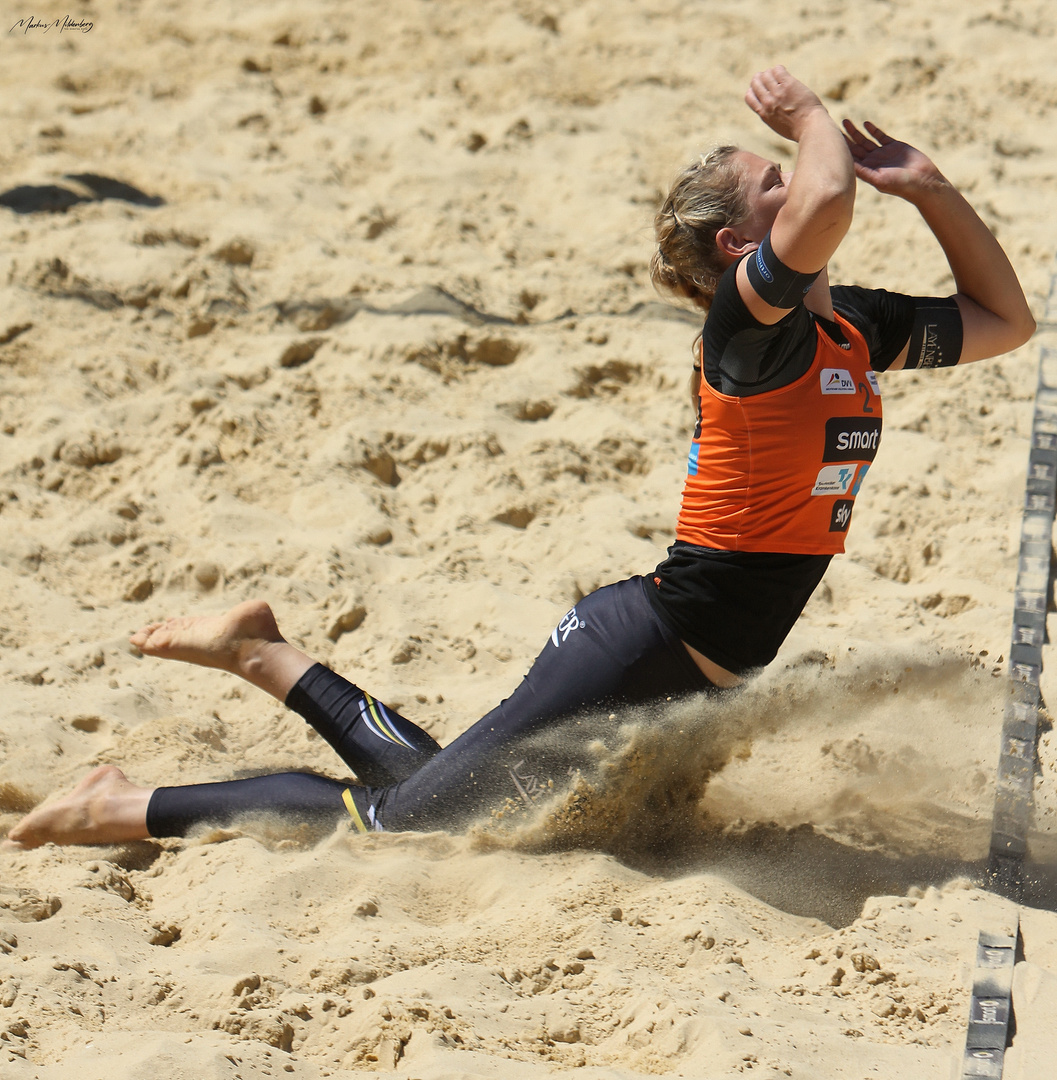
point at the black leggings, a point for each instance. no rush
(610, 650)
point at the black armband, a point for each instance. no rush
(773, 281)
(936, 338)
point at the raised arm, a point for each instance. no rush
(994, 311)
(807, 213)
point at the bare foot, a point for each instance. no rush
(104, 808)
(245, 641)
(219, 641)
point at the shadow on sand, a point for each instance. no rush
(805, 873)
(55, 199)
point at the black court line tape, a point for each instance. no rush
(991, 1004)
(990, 1007)
(1020, 726)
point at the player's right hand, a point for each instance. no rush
(782, 101)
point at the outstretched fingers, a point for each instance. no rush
(858, 143)
(882, 138)
(861, 143)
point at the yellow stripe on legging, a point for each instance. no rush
(379, 719)
(346, 798)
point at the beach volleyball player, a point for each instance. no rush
(789, 419)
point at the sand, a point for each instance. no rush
(345, 306)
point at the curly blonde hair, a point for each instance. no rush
(706, 197)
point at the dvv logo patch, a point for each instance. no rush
(836, 381)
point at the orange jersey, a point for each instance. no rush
(779, 471)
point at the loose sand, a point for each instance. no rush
(369, 334)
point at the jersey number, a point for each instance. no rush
(866, 407)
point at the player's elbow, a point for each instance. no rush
(988, 333)
(1025, 329)
(1017, 330)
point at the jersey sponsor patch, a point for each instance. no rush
(834, 479)
(859, 479)
(852, 438)
(875, 386)
(834, 380)
(840, 519)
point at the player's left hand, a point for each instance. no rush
(893, 167)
